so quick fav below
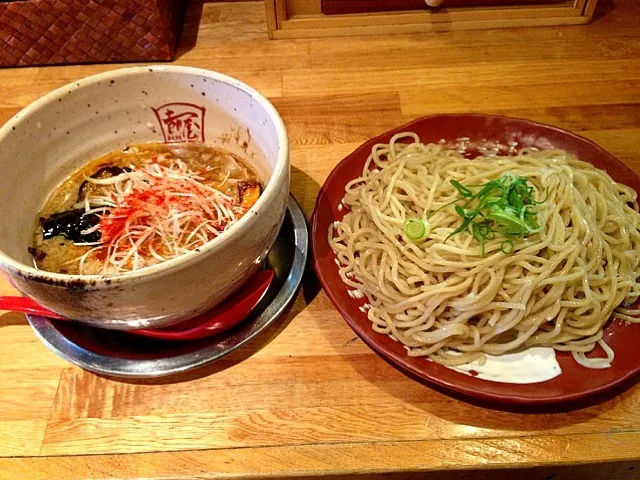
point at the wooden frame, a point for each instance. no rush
(304, 18)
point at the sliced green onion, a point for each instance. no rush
(464, 191)
(505, 206)
(416, 229)
(507, 247)
(508, 221)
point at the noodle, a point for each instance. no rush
(451, 301)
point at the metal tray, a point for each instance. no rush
(120, 354)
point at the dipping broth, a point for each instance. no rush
(140, 206)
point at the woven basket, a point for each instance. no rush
(38, 32)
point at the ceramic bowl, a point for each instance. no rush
(65, 129)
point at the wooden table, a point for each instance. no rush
(309, 398)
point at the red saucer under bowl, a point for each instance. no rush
(224, 317)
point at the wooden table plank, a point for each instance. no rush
(309, 398)
(423, 101)
(21, 437)
(28, 394)
(451, 458)
(336, 81)
(384, 422)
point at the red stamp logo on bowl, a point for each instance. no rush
(181, 122)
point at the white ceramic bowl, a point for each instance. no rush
(65, 129)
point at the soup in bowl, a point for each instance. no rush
(141, 197)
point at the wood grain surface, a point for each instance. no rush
(309, 398)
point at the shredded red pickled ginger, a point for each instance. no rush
(157, 212)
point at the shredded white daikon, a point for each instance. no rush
(154, 213)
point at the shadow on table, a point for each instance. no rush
(465, 410)
(305, 190)
(190, 28)
(603, 8)
(11, 319)
(226, 362)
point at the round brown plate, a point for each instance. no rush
(575, 382)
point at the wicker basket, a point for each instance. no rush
(38, 32)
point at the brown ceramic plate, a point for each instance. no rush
(575, 382)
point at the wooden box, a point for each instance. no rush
(312, 18)
(37, 32)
